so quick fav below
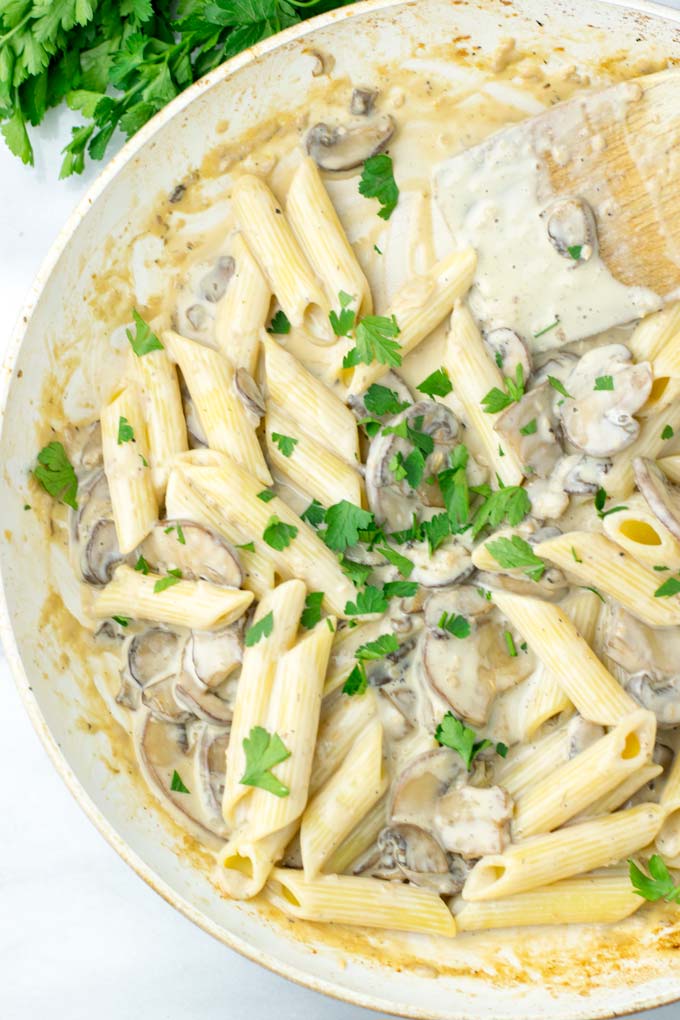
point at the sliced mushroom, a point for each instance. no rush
(250, 395)
(465, 601)
(508, 350)
(153, 655)
(213, 286)
(572, 474)
(408, 852)
(558, 365)
(101, 554)
(451, 563)
(552, 586)
(343, 148)
(661, 496)
(474, 821)
(197, 551)
(417, 788)
(362, 102)
(390, 381)
(209, 772)
(201, 702)
(159, 698)
(600, 421)
(528, 428)
(455, 670)
(212, 655)
(198, 317)
(571, 229)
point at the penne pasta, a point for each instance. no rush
(528, 765)
(655, 332)
(155, 377)
(613, 800)
(243, 867)
(637, 530)
(242, 313)
(359, 840)
(649, 443)
(339, 728)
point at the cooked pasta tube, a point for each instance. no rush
(620, 794)
(126, 463)
(272, 242)
(600, 897)
(654, 332)
(293, 713)
(234, 496)
(664, 391)
(620, 481)
(182, 501)
(614, 571)
(338, 730)
(253, 692)
(242, 313)
(359, 840)
(473, 374)
(369, 902)
(570, 851)
(526, 766)
(668, 839)
(640, 532)
(349, 794)
(243, 868)
(323, 240)
(310, 403)
(195, 604)
(420, 307)
(671, 467)
(545, 697)
(594, 772)
(156, 379)
(309, 466)
(553, 638)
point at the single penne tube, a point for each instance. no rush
(273, 243)
(527, 765)
(210, 379)
(293, 714)
(620, 481)
(322, 238)
(126, 463)
(613, 800)
(349, 794)
(310, 467)
(607, 566)
(310, 403)
(195, 604)
(555, 641)
(601, 897)
(339, 728)
(668, 839)
(671, 467)
(545, 697)
(243, 868)
(473, 374)
(234, 497)
(285, 603)
(664, 391)
(594, 772)
(359, 840)
(652, 334)
(352, 899)
(155, 377)
(573, 850)
(242, 313)
(420, 307)
(640, 532)
(182, 501)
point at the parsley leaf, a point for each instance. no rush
(311, 614)
(264, 750)
(454, 489)
(315, 514)
(381, 400)
(668, 588)
(142, 566)
(400, 589)
(176, 783)
(529, 429)
(402, 563)
(356, 682)
(514, 552)
(659, 886)
(435, 531)
(126, 433)
(144, 340)
(259, 630)
(557, 385)
(604, 382)
(278, 534)
(510, 643)
(546, 329)
(600, 500)
(378, 649)
(575, 251)
(410, 468)
(437, 384)
(248, 546)
(344, 521)
(667, 432)
(173, 576)
(374, 340)
(122, 621)
(266, 495)
(377, 181)
(451, 732)
(56, 475)
(279, 324)
(454, 624)
(358, 573)
(370, 600)
(286, 444)
(496, 400)
(509, 503)
(343, 321)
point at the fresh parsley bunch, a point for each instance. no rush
(119, 62)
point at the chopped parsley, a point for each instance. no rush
(286, 444)
(180, 534)
(658, 885)
(266, 495)
(247, 546)
(122, 621)
(454, 489)
(587, 587)
(280, 324)
(370, 600)
(454, 624)
(546, 329)
(126, 433)
(575, 251)
(668, 588)
(259, 630)
(358, 573)
(451, 732)
(667, 432)
(314, 514)
(402, 563)
(529, 429)
(56, 474)
(311, 614)
(173, 576)
(509, 503)
(381, 400)
(344, 521)
(604, 382)
(142, 566)
(514, 553)
(278, 534)
(510, 643)
(377, 181)
(557, 385)
(264, 750)
(437, 384)
(496, 400)
(144, 340)
(502, 749)
(575, 555)
(374, 341)
(176, 784)
(659, 567)
(600, 500)
(410, 468)
(343, 321)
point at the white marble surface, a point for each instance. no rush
(81, 935)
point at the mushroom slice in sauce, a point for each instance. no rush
(552, 586)
(153, 655)
(391, 381)
(558, 365)
(573, 474)
(203, 555)
(571, 229)
(209, 772)
(455, 671)
(159, 698)
(201, 702)
(661, 496)
(474, 821)
(343, 148)
(417, 788)
(212, 655)
(451, 563)
(213, 286)
(600, 421)
(539, 448)
(508, 350)
(362, 102)
(250, 395)
(101, 554)
(408, 852)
